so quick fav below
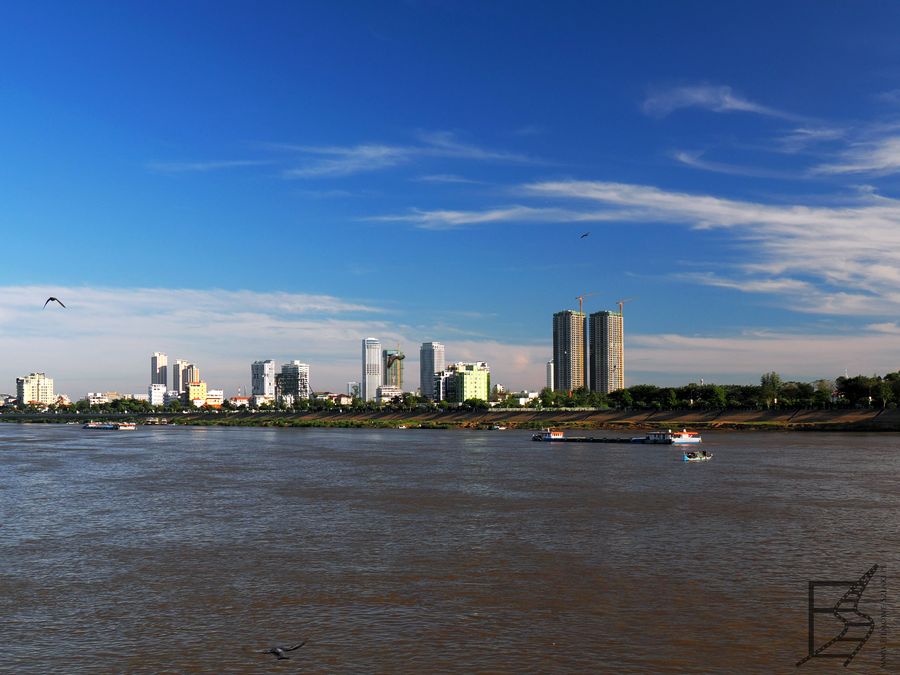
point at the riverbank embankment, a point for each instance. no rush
(610, 420)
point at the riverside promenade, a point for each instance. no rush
(863, 419)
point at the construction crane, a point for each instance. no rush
(621, 303)
(580, 299)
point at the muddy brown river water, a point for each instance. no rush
(187, 550)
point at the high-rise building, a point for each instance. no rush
(191, 373)
(607, 352)
(431, 362)
(179, 381)
(371, 369)
(159, 372)
(293, 383)
(35, 388)
(262, 378)
(569, 365)
(550, 374)
(392, 367)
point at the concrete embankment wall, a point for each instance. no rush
(624, 420)
(874, 420)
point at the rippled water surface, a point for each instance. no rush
(187, 549)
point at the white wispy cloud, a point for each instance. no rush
(879, 156)
(448, 144)
(803, 138)
(851, 253)
(446, 178)
(444, 219)
(344, 161)
(842, 259)
(204, 166)
(717, 98)
(695, 160)
(337, 161)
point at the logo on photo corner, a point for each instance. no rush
(854, 626)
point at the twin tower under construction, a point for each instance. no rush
(602, 369)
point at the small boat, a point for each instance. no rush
(498, 427)
(701, 456)
(548, 435)
(110, 426)
(685, 437)
(403, 426)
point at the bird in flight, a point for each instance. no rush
(52, 299)
(278, 652)
(584, 235)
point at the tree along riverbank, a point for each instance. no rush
(862, 419)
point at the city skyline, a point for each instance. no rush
(745, 199)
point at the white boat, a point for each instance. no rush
(701, 456)
(685, 437)
(498, 427)
(110, 426)
(548, 435)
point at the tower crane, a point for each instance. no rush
(580, 299)
(621, 303)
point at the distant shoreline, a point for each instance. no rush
(607, 420)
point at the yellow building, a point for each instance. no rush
(196, 391)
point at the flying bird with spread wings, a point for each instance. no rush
(52, 299)
(584, 235)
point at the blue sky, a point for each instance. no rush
(231, 181)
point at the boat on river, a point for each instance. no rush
(110, 426)
(701, 456)
(655, 438)
(548, 435)
(685, 437)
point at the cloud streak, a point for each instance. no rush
(844, 259)
(878, 157)
(204, 166)
(716, 98)
(338, 161)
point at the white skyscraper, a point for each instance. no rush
(35, 388)
(179, 383)
(262, 378)
(431, 362)
(156, 394)
(159, 371)
(550, 374)
(371, 369)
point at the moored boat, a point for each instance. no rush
(110, 426)
(701, 456)
(685, 437)
(548, 435)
